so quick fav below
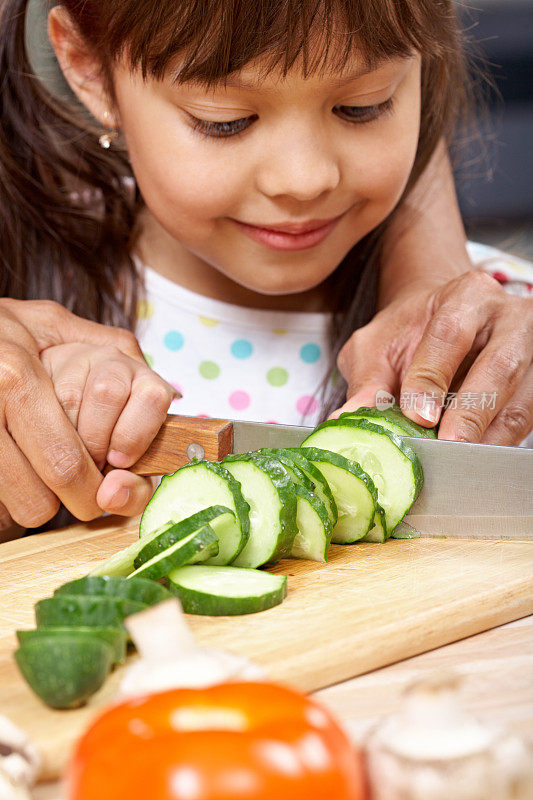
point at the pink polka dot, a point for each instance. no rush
(176, 386)
(206, 416)
(272, 422)
(306, 404)
(239, 400)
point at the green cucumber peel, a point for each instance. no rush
(198, 546)
(140, 590)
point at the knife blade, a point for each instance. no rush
(469, 491)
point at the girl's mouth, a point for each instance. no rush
(278, 240)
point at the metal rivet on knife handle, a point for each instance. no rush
(178, 436)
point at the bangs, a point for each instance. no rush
(214, 38)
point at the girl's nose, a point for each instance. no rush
(302, 166)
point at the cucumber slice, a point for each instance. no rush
(193, 488)
(217, 517)
(322, 487)
(353, 490)
(218, 591)
(116, 637)
(387, 458)
(121, 564)
(269, 490)
(141, 590)
(62, 610)
(378, 533)
(64, 671)
(198, 546)
(392, 419)
(312, 520)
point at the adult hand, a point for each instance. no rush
(468, 338)
(43, 460)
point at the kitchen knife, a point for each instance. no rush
(470, 490)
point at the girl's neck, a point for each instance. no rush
(165, 255)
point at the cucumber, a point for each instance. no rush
(354, 492)
(116, 637)
(193, 488)
(65, 670)
(387, 458)
(312, 520)
(143, 591)
(392, 419)
(321, 485)
(217, 591)
(378, 532)
(269, 490)
(121, 564)
(198, 546)
(217, 517)
(62, 610)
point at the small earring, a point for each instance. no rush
(107, 138)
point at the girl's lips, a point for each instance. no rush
(277, 240)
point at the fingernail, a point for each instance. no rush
(120, 498)
(429, 412)
(118, 459)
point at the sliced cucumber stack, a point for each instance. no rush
(198, 546)
(220, 591)
(392, 419)
(353, 490)
(194, 488)
(312, 519)
(269, 491)
(387, 458)
(102, 612)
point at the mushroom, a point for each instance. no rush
(20, 762)
(433, 749)
(170, 658)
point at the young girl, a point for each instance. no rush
(279, 152)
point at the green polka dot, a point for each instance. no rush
(149, 359)
(277, 376)
(145, 309)
(209, 370)
(280, 331)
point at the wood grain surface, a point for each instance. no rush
(371, 605)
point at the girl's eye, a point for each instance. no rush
(362, 114)
(223, 130)
(220, 130)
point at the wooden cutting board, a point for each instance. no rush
(371, 605)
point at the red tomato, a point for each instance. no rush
(235, 741)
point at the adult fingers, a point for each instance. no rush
(515, 420)
(26, 500)
(41, 430)
(366, 365)
(491, 382)
(105, 395)
(122, 492)
(143, 415)
(49, 323)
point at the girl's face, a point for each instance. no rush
(214, 168)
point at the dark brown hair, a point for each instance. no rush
(52, 246)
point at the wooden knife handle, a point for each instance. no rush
(180, 439)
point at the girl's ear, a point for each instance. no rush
(80, 66)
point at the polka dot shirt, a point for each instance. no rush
(233, 362)
(243, 363)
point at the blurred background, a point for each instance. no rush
(495, 191)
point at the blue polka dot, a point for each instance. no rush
(241, 348)
(174, 340)
(310, 353)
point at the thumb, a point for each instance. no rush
(366, 366)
